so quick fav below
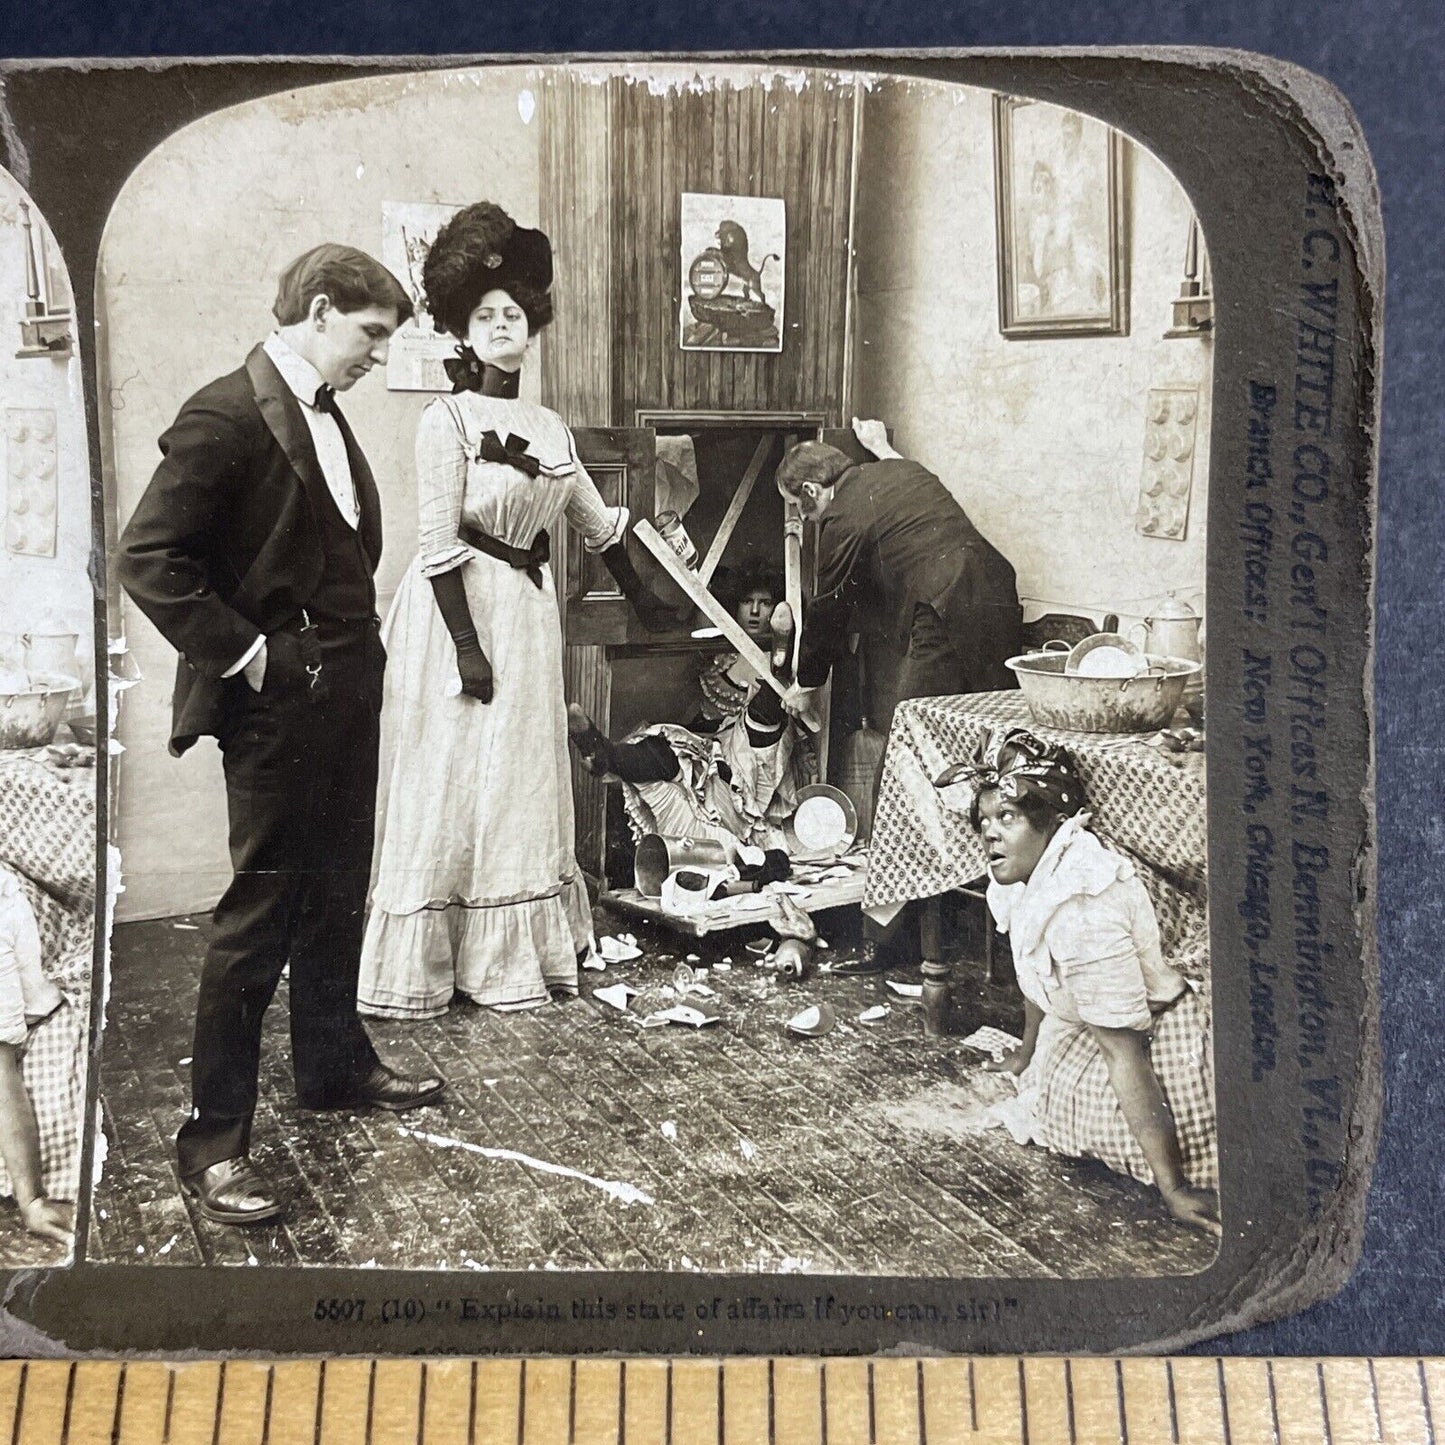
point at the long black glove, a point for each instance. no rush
(472, 663)
(655, 614)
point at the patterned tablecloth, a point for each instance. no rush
(1143, 805)
(47, 839)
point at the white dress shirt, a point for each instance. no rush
(303, 379)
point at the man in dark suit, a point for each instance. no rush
(253, 552)
(895, 547)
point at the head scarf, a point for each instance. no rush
(1032, 766)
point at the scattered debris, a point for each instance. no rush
(620, 1190)
(874, 1014)
(813, 1022)
(724, 966)
(905, 990)
(187, 927)
(619, 995)
(760, 946)
(184, 1063)
(988, 1040)
(621, 949)
(682, 1013)
(669, 1129)
(747, 1148)
(694, 958)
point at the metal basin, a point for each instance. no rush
(30, 719)
(1060, 699)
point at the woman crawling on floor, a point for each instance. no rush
(1115, 1063)
(736, 783)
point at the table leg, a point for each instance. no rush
(937, 974)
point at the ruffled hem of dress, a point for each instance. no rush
(508, 957)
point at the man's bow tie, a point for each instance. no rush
(325, 398)
(510, 453)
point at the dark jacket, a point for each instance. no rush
(225, 544)
(892, 538)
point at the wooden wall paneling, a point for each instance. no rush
(576, 212)
(749, 141)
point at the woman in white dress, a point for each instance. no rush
(476, 887)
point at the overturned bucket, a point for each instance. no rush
(658, 856)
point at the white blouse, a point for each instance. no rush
(1084, 937)
(498, 499)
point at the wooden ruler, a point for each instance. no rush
(1001, 1400)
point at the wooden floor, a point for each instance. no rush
(732, 1148)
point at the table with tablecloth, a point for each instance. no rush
(48, 841)
(1144, 805)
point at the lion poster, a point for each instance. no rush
(733, 250)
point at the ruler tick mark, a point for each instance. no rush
(1223, 1400)
(1023, 1406)
(119, 1404)
(1324, 1403)
(1069, 1400)
(922, 1413)
(69, 1404)
(1273, 1400)
(1173, 1403)
(622, 1402)
(320, 1402)
(522, 1403)
(1119, 1400)
(220, 1405)
(19, 1404)
(266, 1408)
(472, 1409)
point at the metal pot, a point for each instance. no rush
(1061, 699)
(51, 652)
(657, 856)
(30, 719)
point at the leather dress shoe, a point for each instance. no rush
(866, 964)
(384, 1088)
(233, 1192)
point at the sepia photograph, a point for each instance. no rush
(47, 745)
(621, 773)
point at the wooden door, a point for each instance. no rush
(621, 461)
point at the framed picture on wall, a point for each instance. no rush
(418, 349)
(1063, 242)
(733, 252)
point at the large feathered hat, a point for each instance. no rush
(483, 249)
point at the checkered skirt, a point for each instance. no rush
(53, 1069)
(1078, 1113)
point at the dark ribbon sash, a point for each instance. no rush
(523, 559)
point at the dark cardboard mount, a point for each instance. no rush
(1270, 157)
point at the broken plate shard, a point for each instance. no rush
(906, 990)
(872, 1015)
(813, 1022)
(619, 995)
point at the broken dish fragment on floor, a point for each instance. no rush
(813, 1022)
(619, 995)
(905, 990)
(874, 1014)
